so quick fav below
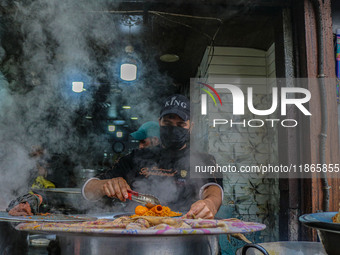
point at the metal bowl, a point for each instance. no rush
(328, 231)
(64, 197)
(84, 174)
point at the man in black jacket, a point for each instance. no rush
(164, 170)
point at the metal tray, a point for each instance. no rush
(117, 215)
(4, 216)
(232, 226)
(63, 197)
(59, 190)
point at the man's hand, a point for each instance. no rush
(208, 206)
(204, 209)
(115, 187)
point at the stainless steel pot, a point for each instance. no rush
(84, 174)
(11, 240)
(283, 248)
(131, 245)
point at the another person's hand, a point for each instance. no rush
(204, 209)
(116, 187)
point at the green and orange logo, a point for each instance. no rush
(204, 97)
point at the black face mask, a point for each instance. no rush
(173, 137)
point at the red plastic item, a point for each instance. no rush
(131, 193)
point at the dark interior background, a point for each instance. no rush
(243, 24)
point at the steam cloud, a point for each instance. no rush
(53, 42)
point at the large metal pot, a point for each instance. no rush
(283, 248)
(89, 241)
(11, 240)
(96, 244)
(131, 245)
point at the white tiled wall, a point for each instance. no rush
(254, 199)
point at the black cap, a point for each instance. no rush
(176, 104)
